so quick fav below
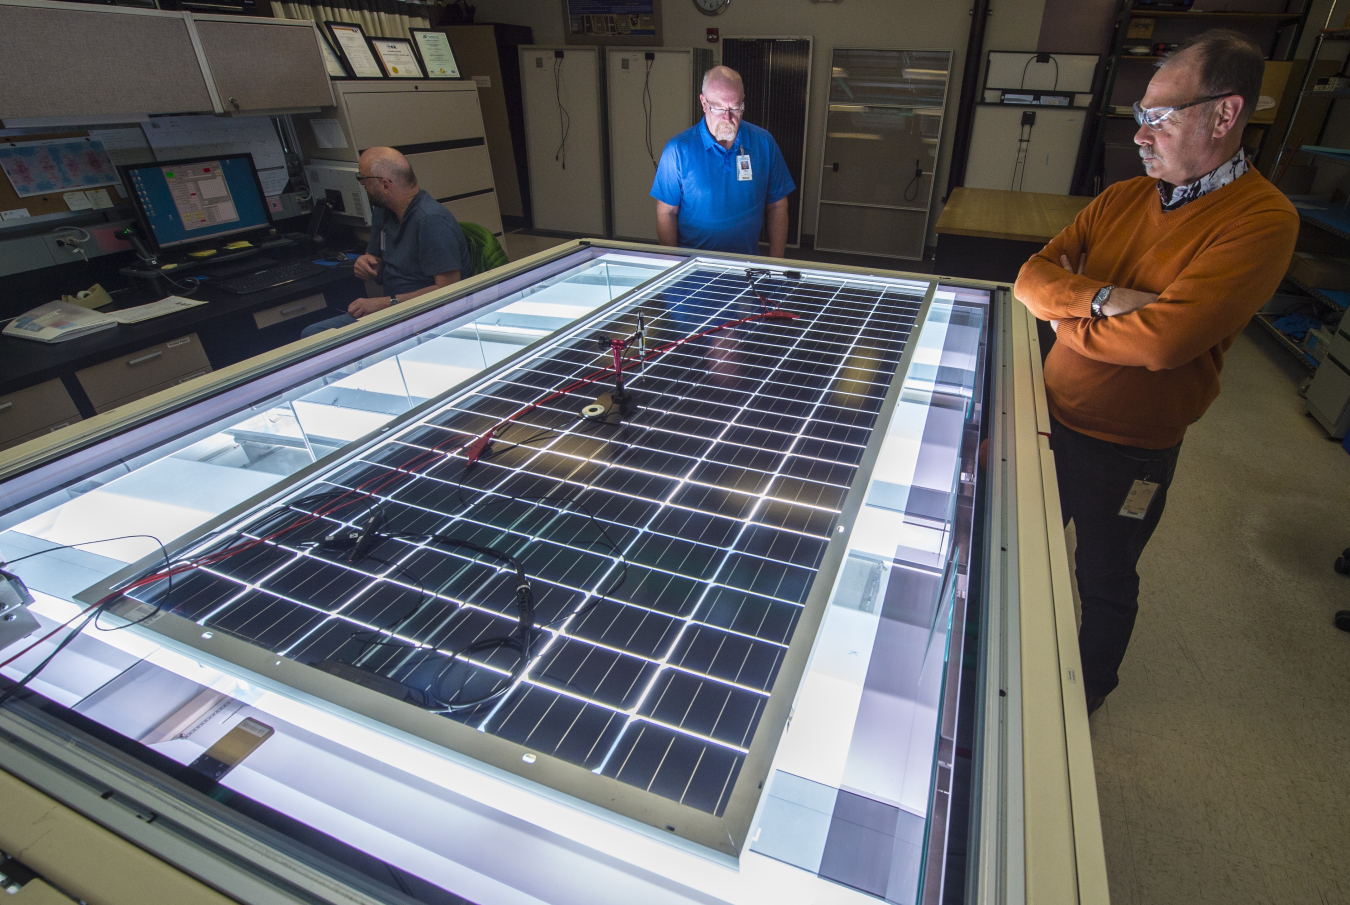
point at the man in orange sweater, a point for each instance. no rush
(1146, 291)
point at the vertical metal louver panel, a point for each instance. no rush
(777, 73)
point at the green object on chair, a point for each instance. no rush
(484, 249)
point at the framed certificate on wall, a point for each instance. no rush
(331, 61)
(433, 47)
(397, 57)
(350, 42)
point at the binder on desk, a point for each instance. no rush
(57, 322)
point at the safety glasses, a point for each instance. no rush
(1154, 117)
(726, 111)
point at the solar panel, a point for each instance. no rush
(668, 553)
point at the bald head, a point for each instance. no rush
(725, 78)
(386, 163)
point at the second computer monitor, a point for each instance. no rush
(182, 202)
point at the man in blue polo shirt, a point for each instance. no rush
(720, 179)
(415, 244)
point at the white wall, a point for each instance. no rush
(900, 24)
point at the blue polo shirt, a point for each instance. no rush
(427, 241)
(718, 211)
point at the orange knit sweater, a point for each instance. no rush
(1142, 378)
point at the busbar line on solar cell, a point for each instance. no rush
(722, 491)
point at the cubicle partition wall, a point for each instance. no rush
(564, 137)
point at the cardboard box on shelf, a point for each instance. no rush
(1320, 271)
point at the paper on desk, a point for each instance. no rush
(328, 133)
(170, 305)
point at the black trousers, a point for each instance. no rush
(1094, 479)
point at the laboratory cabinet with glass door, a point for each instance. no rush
(617, 574)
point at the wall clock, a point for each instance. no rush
(712, 7)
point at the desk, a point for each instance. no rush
(988, 234)
(225, 326)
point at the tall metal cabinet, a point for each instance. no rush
(652, 97)
(436, 123)
(490, 55)
(881, 148)
(564, 137)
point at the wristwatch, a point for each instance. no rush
(393, 300)
(1100, 299)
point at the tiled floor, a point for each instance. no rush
(1223, 760)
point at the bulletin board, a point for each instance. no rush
(37, 205)
(612, 22)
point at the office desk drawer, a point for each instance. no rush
(270, 317)
(143, 372)
(33, 411)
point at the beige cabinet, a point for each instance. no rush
(80, 60)
(279, 314)
(260, 65)
(33, 411)
(113, 63)
(145, 371)
(438, 124)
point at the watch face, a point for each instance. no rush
(711, 7)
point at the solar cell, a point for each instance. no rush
(668, 556)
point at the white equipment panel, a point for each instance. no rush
(1051, 152)
(652, 98)
(563, 138)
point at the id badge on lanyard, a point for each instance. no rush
(744, 173)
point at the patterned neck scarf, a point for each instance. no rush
(1215, 179)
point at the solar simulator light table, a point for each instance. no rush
(692, 546)
(640, 645)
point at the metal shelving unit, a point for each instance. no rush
(1331, 220)
(1286, 28)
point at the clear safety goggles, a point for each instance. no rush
(1154, 117)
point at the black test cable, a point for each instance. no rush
(564, 118)
(1040, 58)
(914, 183)
(361, 540)
(86, 616)
(647, 105)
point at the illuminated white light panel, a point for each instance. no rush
(670, 555)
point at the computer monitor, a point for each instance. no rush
(182, 202)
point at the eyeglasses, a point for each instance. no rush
(362, 179)
(1154, 117)
(725, 111)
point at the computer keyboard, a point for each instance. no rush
(271, 277)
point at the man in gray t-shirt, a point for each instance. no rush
(415, 244)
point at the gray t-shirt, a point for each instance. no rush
(427, 241)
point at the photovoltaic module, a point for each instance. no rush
(654, 566)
